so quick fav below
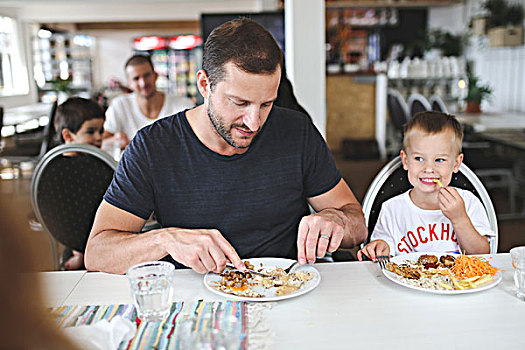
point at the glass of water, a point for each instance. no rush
(518, 261)
(151, 289)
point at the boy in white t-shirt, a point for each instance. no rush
(429, 217)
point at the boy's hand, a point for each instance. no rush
(374, 249)
(451, 204)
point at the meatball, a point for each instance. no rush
(427, 259)
(447, 260)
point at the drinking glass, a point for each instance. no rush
(225, 334)
(112, 147)
(518, 261)
(151, 289)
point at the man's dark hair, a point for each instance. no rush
(138, 59)
(74, 112)
(243, 42)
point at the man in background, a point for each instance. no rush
(131, 112)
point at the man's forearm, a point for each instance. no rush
(355, 231)
(115, 251)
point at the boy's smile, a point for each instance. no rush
(430, 157)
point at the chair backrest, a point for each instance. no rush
(418, 103)
(1, 119)
(49, 133)
(437, 104)
(392, 180)
(67, 190)
(397, 109)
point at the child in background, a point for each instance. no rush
(78, 120)
(428, 217)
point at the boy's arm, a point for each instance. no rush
(453, 207)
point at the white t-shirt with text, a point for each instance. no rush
(407, 228)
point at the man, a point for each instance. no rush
(129, 113)
(230, 178)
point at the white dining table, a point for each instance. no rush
(493, 121)
(354, 307)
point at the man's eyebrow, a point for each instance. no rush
(240, 99)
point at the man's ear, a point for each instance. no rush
(68, 135)
(459, 160)
(203, 83)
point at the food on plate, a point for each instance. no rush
(445, 272)
(471, 266)
(242, 283)
(447, 260)
(427, 259)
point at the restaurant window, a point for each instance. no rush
(13, 75)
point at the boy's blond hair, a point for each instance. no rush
(433, 122)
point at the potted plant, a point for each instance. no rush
(447, 43)
(504, 23)
(475, 94)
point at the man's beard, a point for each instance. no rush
(222, 129)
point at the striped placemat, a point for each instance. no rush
(186, 318)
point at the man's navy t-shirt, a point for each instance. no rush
(256, 199)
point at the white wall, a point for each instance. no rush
(502, 68)
(450, 18)
(305, 56)
(129, 10)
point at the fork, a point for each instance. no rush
(231, 266)
(382, 260)
(289, 268)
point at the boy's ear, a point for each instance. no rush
(404, 159)
(67, 135)
(459, 160)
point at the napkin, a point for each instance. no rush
(102, 335)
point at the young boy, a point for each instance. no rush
(429, 217)
(79, 120)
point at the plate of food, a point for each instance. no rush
(249, 286)
(441, 273)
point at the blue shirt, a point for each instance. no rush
(255, 199)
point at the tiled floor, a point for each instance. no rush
(359, 175)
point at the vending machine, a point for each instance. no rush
(176, 60)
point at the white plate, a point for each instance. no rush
(400, 259)
(269, 294)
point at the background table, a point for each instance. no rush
(493, 121)
(356, 307)
(19, 115)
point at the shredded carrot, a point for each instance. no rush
(471, 266)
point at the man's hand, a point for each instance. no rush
(202, 250)
(373, 250)
(120, 138)
(319, 233)
(451, 204)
